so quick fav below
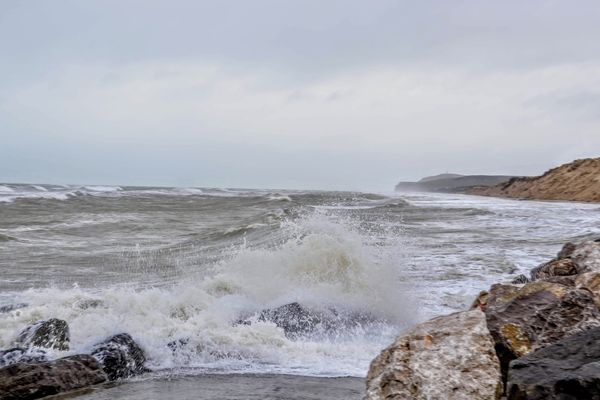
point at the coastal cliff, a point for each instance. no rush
(575, 181)
(451, 183)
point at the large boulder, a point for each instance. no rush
(120, 357)
(449, 357)
(567, 369)
(23, 381)
(22, 354)
(49, 334)
(523, 319)
(572, 259)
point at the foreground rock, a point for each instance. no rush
(49, 334)
(523, 319)
(120, 357)
(26, 381)
(568, 369)
(449, 357)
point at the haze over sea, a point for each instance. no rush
(169, 264)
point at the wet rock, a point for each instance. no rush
(89, 303)
(523, 319)
(50, 334)
(11, 307)
(293, 318)
(520, 279)
(562, 267)
(449, 357)
(297, 320)
(567, 369)
(21, 354)
(572, 259)
(586, 256)
(591, 282)
(26, 381)
(120, 357)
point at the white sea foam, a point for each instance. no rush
(103, 189)
(325, 264)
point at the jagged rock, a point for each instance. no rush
(297, 320)
(21, 354)
(293, 318)
(120, 357)
(23, 381)
(591, 282)
(50, 334)
(523, 319)
(586, 256)
(567, 369)
(449, 357)
(520, 279)
(11, 307)
(572, 259)
(561, 267)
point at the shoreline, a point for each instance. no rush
(224, 386)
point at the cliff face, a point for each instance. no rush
(451, 183)
(575, 181)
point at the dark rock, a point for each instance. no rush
(567, 369)
(561, 267)
(21, 354)
(11, 307)
(89, 303)
(566, 251)
(572, 259)
(50, 334)
(23, 381)
(293, 318)
(120, 356)
(520, 279)
(297, 320)
(524, 319)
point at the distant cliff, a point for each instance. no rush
(451, 183)
(577, 181)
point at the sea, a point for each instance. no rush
(186, 265)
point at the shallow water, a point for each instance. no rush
(169, 264)
(230, 387)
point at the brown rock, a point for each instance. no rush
(25, 381)
(591, 282)
(528, 318)
(449, 357)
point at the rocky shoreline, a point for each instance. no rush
(533, 338)
(28, 372)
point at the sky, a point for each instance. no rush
(327, 94)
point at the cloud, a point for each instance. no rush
(338, 94)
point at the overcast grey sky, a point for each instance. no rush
(294, 94)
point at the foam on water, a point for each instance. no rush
(322, 264)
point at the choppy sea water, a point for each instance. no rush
(167, 264)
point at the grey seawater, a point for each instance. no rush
(231, 387)
(184, 264)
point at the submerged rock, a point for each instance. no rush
(11, 307)
(21, 354)
(523, 319)
(297, 320)
(24, 381)
(49, 334)
(567, 369)
(449, 357)
(120, 357)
